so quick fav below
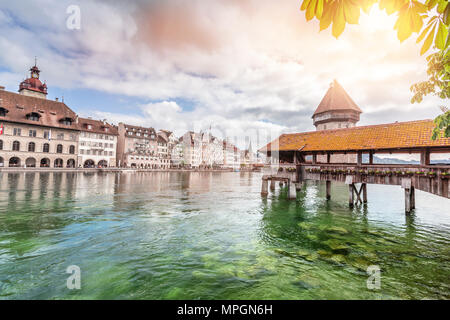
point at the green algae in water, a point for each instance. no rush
(235, 247)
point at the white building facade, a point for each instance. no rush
(97, 144)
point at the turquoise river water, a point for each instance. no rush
(212, 236)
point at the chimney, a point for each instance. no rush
(56, 99)
(2, 88)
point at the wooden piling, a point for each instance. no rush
(407, 200)
(364, 186)
(272, 185)
(413, 197)
(351, 187)
(328, 183)
(264, 186)
(292, 192)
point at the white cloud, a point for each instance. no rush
(247, 66)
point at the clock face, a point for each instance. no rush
(34, 75)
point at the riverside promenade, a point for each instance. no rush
(91, 170)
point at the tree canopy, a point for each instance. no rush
(428, 19)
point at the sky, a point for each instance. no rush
(247, 69)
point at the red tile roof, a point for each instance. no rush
(336, 98)
(399, 135)
(50, 112)
(97, 126)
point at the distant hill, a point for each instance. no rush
(399, 161)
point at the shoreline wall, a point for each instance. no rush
(87, 170)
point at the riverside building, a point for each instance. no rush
(35, 131)
(97, 143)
(137, 147)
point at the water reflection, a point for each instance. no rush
(211, 235)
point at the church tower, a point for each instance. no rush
(336, 110)
(33, 86)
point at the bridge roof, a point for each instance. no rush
(394, 136)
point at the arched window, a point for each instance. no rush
(31, 147)
(59, 148)
(58, 163)
(46, 148)
(1, 144)
(72, 149)
(16, 146)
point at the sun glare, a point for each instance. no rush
(377, 20)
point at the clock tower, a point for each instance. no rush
(33, 86)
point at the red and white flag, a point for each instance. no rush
(1, 129)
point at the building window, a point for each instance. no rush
(110, 153)
(89, 126)
(32, 133)
(72, 149)
(59, 148)
(3, 112)
(81, 151)
(46, 134)
(72, 137)
(60, 136)
(33, 116)
(66, 121)
(17, 131)
(31, 147)
(46, 148)
(16, 146)
(88, 151)
(1, 144)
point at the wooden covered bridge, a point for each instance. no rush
(337, 155)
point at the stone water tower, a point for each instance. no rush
(336, 110)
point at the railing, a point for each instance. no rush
(431, 178)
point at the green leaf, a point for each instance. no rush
(339, 20)
(442, 5)
(446, 17)
(441, 36)
(431, 3)
(428, 41)
(424, 33)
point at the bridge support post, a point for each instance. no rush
(298, 186)
(364, 190)
(409, 195)
(351, 195)
(407, 201)
(281, 184)
(328, 189)
(292, 192)
(264, 186)
(272, 185)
